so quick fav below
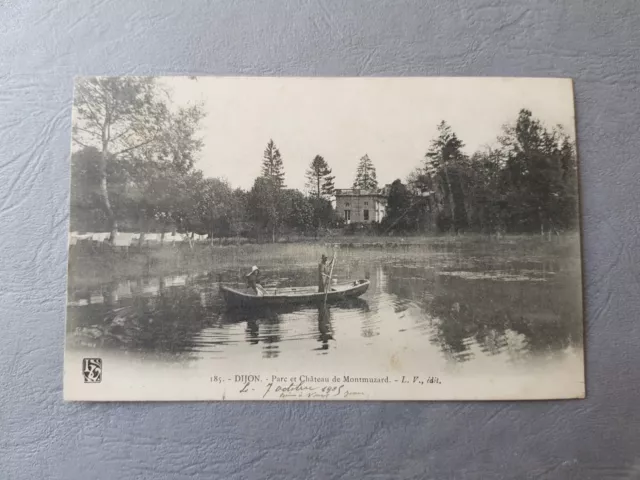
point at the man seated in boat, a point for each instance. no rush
(253, 281)
(323, 273)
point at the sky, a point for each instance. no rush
(393, 120)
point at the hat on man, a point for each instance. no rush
(253, 269)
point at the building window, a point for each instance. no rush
(366, 203)
(366, 215)
(347, 204)
(347, 215)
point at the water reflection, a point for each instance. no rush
(492, 312)
(462, 308)
(324, 326)
(270, 327)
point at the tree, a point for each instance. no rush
(402, 209)
(421, 184)
(263, 206)
(128, 118)
(87, 212)
(320, 185)
(264, 203)
(569, 200)
(323, 213)
(272, 166)
(539, 179)
(163, 190)
(237, 214)
(296, 210)
(319, 178)
(446, 162)
(366, 175)
(484, 201)
(220, 209)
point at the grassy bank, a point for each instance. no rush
(93, 266)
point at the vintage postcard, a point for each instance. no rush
(342, 239)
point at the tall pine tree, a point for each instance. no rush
(319, 178)
(272, 166)
(366, 175)
(445, 161)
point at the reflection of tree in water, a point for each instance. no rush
(166, 322)
(546, 314)
(325, 330)
(253, 331)
(271, 337)
(462, 311)
(370, 322)
(263, 326)
(409, 282)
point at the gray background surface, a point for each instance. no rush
(43, 44)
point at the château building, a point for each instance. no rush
(361, 206)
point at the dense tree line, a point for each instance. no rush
(133, 169)
(527, 184)
(159, 198)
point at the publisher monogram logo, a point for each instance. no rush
(92, 370)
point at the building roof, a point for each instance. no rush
(343, 192)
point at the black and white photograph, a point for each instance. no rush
(293, 238)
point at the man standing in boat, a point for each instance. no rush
(253, 281)
(323, 273)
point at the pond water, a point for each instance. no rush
(451, 308)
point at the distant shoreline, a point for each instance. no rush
(91, 265)
(364, 239)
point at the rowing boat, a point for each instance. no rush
(292, 295)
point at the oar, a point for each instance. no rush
(328, 284)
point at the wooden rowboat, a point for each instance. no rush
(293, 295)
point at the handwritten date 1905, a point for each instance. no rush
(303, 390)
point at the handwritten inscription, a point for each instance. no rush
(315, 388)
